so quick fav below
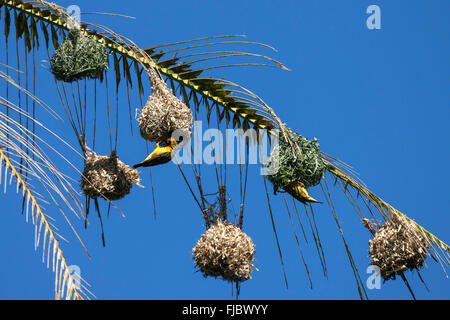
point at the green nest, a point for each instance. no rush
(78, 57)
(307, 166)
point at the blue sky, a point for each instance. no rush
(376, 99)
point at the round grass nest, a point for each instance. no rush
(163, 113)
(108, 177)
(225, 251)
(398, 245)
(78, 57)
(306, 166)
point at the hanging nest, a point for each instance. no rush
(397, 246)
(225, 251)
(108, 177)
(299, 161)
(78, 57)
(163, 113)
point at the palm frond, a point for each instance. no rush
(54, 16)
(384, 208)
(180, 63)
(66, 285)
(22, 153)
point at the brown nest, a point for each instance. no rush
(163, 113)
(397, 246)
(108, 177)
(225, 251)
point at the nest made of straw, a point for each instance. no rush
(77, 57)
(163, 114)
(108, 177)
(398, 245)
(306, 165)
(225, 251)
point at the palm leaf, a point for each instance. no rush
(170, 61)
(385, 209)
(66, 286)
(181, 73)
(22, 154)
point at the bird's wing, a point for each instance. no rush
(158, 156)
(163, 158)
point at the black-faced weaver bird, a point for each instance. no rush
(298, 191)
(161, 154)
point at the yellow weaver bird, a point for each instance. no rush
(298, 191)
(162, 154)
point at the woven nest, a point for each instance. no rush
(306, 166)
(163, 113)
(77, 57)
(225, 251)
(397, 246)
(108, 177)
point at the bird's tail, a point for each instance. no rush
(137, 165)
